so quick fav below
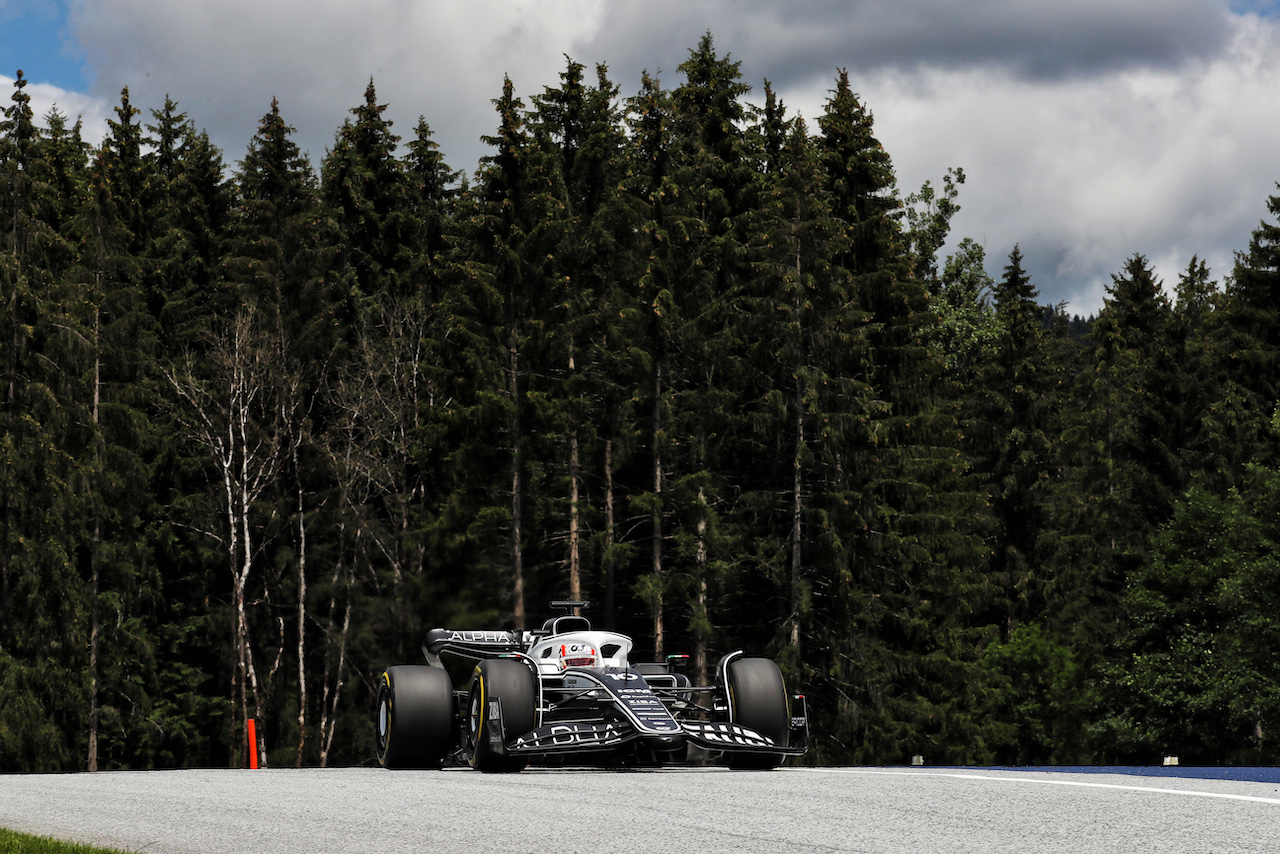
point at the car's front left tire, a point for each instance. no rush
(510, 689)
(415, 722)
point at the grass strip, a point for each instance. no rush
(12, 842)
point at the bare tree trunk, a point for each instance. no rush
(608, 535)
(656, 567)
(302, 615)
(94, 558)
(333, 671)
(248, 672)
(700, 639)
(239, 418)
(238, 692)
(11, 415)
(247, 566)
(575, 570)
(797, 512)
(517, 550)
(234, 740)
(93, 653)
(328, 651)
(327, 736)
(575, 559)
(797, 478)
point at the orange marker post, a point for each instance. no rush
(252, 726)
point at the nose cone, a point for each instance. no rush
(664, 743)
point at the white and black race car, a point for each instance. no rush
(568, 694)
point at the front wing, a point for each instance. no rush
(594, 736)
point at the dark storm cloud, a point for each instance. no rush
(796, 42)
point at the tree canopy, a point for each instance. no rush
(678, 352)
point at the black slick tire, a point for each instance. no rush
(504, 685)
(414, 717)
(757, 697)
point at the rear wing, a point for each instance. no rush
(474, 645)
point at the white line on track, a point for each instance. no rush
(959, 775)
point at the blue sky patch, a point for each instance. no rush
(1264, 8)
(34, 37)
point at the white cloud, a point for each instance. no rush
(1088, 131)
(1083, 173)
(224, 60)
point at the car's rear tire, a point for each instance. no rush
(512, 687)
(415, 718)
(757, 697)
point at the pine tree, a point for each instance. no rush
(277, 237)
(432, 191)
(714, 168)
(907, 596)
(364, 184)
(61, 174)
(807, 380)
(1013, 438)
(1119, 479)
(657, 193)
(115, 306)
(1012, 435)
(43, 725)
(1197, 313)
(1132, 379)
(861, 180)
(1197, 297)
(578, 127)
(193, 211)
(1245, 347)
(386, 439)
(504, 298)
(134, 191)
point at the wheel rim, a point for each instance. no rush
(473, 720)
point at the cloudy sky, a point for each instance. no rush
(1089, 130)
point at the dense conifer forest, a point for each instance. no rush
(263, 422)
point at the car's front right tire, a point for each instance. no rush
(758, 700)
(415, 718)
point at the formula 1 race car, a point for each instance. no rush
(565, 694)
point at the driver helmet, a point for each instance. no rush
(577, 654)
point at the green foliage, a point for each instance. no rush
(12, 842)
(928, 219)
(966, 328)
(1194, 676)
(673, 352)
(1043, 697)
(365, 187)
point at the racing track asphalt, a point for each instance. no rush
(278, 811)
